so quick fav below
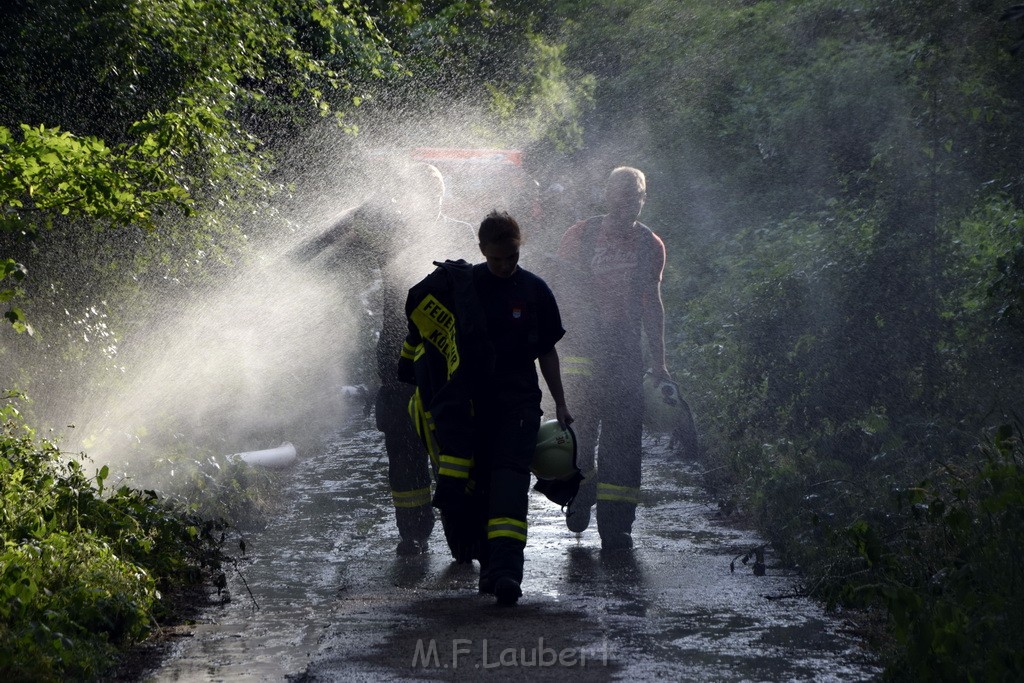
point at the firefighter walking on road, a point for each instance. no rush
(426, 231)
(523, 325)
(381, 248)
(614, 268)
(475, 333)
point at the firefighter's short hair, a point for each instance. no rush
(498, 227)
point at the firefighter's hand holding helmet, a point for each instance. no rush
(563, 417)
(661, 374)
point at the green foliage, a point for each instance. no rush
(9, 268)
(211, 486)
(81, 571)
(50, 172)
(502, 60)
(549, 101)
(817, 386)
(201, 61)
(157, 106)
(944, 565)
(838, 185)
(753, 111)
(1007, 287)
(68, 599)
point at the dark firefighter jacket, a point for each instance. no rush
(445, 353)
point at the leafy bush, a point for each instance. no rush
(943, 561)
(80, 571)
(216, 487)
(67, 599)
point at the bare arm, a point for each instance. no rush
(550, 368)
(654, 326)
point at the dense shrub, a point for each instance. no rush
(944, 561)
(81, 571)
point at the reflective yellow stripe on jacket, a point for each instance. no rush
(452, 466)
(411, 499)
(620, 494)
(423, 422)
(409, 352)
(506, 527)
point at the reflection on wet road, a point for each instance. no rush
(336, 603)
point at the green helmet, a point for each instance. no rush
(555, 456)
(664, 408)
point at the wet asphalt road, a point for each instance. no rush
(337, 604)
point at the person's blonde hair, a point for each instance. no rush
(627, 175)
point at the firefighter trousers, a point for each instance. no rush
(508, 441)
(608, 407)
(408, 463)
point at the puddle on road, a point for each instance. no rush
(337, 604)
